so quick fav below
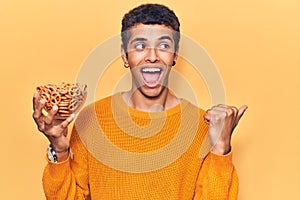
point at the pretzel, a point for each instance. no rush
(67, 97)
(73, 105)
(55, 98)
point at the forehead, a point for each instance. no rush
(151, 31)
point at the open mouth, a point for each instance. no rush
(151, 76)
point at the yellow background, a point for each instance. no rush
(255, 45)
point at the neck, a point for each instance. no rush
(137, 100)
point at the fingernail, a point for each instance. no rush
(42, 101)
(55, 107)
(73, 115)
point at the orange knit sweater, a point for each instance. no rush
(123, 153)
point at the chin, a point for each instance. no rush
(152, 92)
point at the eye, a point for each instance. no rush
(140, 46)
(164, 46)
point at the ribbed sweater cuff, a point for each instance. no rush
(62, 167)
(221, 161)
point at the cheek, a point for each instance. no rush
(135, 58)
(168, 58)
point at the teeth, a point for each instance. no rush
(151, 70)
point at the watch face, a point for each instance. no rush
(51, 154)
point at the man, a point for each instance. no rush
(143, 143)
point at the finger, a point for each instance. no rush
(232, 111)
(219, 108)
(218, 113)
(40, 123)
(38, 107)
(207, 116)
(206, 119)
(220, 105)
(241, 112)
(51, 114)
(66, 123)
(34, 99)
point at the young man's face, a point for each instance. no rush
(150, 55)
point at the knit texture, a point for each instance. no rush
(123, 153)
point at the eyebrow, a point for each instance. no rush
(139, 39)
(165, 38)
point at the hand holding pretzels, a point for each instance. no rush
(222, 120)
(54, 129)
(61, 102)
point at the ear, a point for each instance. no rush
(175, 56)
(123, 54)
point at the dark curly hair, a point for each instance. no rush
(150, 14)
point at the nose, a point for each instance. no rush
(151, 55)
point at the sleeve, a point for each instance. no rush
(68, 179)
(217, 179)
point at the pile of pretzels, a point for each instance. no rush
(66, 96)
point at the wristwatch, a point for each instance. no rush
(52, 156)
